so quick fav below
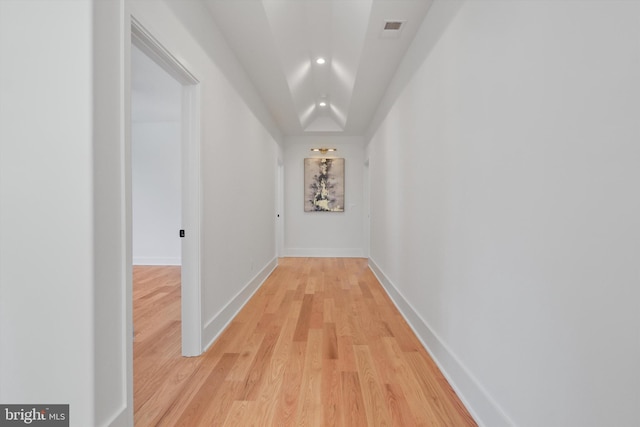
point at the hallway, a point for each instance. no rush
(319, 344)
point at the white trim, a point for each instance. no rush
(126, 419)
(324, 252)
(477, 400)
(122, 418)
(147, 43)
(191, 186)
(191, 223)
(280, 208)
(144, 260)
(220, 320)
(366, 193)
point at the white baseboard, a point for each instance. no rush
(123, 418)
(324, 252)
(157, 261)
(219, 322)
(476, 399)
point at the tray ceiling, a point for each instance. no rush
(279, 41)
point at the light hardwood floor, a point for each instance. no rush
(319, 344)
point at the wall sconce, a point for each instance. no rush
(324, 150)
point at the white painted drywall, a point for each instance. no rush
(323, 234)
(46, 253)
(65, 325)
(239, 162)
(505, 219)
(156, 181)
(60, 215)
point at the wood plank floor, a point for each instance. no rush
(319, 344)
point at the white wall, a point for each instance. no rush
(65, 314)
(46, 210)
(506, 216)
(323, 234)
(60, 216)
(155, 159)
(239, 163)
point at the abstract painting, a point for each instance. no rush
(324, 185)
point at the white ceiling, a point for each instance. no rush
(277, 42)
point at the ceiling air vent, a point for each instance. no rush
(392, 25)
(392, 29)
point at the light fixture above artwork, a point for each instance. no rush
(324, 150)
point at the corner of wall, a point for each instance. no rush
(483, 408)
(216, 325)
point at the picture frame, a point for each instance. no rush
(324, 185)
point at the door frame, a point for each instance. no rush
(280, 209)
(191, 185)
(367, 210)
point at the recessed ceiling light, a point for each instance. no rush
(322, 104)
(321, 61)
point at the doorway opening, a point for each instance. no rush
(156, 205)
(165, 152)
(156, 201)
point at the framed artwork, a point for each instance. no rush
(324, 185)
